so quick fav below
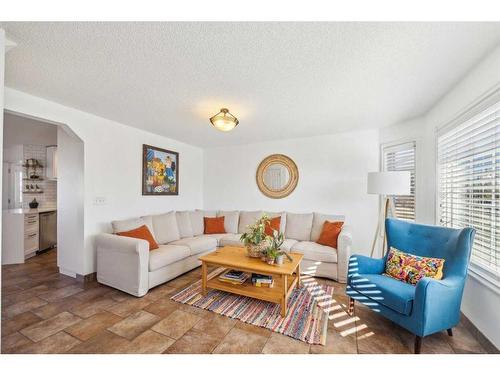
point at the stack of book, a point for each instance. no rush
(234, 277)
(264, 281)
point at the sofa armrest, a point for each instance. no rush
(123, 263)
(437, 303)
(344, 244)
(362, 264)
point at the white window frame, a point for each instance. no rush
(398, 142)
(482, 274)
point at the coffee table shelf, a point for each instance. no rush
(286, 277)
(247, 289)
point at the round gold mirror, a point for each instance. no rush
(277, 176)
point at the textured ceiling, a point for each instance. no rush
(282, 80)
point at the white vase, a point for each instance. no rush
(279, 260)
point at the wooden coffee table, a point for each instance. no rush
(286, 276)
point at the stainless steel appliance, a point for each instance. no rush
(48, 230)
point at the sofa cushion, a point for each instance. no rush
(298, 226)
(165, 228)
(142, 233)
(288, 244)
(411, 268)
(214, 225)
(208, 213)
(197, 222)
(273, 225)
(197, 245)
(318, 221)
(231, 219)
(231, 240)
(129, 224)
(218, 237)
(167, 254)
(315, 251)
(234, 240)
(184, 224)
(248, 218)
(394, 294)
(283, 219)
(330, 233)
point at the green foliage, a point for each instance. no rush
(274, 248)
(255, 233)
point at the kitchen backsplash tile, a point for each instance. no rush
(49, 187)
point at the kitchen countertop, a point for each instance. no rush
(22, 211)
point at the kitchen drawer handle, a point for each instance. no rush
(32, 222)
(32, 235)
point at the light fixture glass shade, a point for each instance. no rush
(389, 183)
(224, 121)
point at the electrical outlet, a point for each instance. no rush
(99, 201)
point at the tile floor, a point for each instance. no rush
(46, 312)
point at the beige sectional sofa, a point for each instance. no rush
(127, 264)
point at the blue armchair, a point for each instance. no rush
(431, 305)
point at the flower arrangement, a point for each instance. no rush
(254, 238)
(260, 245)
(273, 253)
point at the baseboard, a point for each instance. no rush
(67, 272)
(483, 340)
(86, 278)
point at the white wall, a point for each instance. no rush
(332, 179)
(71, 210)
(417, 130)
(20, 130)
(2, 75)
(481, 303)
(113, 168)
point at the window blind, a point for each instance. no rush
(401, 157)
(469, 183)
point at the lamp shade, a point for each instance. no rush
(224, 121)
(389, 183)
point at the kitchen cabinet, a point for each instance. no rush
(21, 233)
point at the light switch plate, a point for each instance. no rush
(99, 201)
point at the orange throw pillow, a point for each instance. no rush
(142, 233)
(214, 225)
(330, 233)
(274, 224)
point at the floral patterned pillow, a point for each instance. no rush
(411, 268)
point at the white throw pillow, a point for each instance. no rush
(165, 227)
(197, 222)
(231, 219)
(318, 221)
(184, 224)
(248, 218)
(298, 226)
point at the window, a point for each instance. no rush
(469, 183)
(401, 157)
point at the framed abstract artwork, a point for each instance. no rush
(160, 171)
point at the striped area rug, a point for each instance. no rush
(305, 321)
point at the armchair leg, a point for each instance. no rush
(418, 344)
(350, 311)
(450, 332)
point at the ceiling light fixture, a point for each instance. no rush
(224, 121)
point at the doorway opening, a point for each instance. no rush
(42, 198)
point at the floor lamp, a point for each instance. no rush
(387, 184)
